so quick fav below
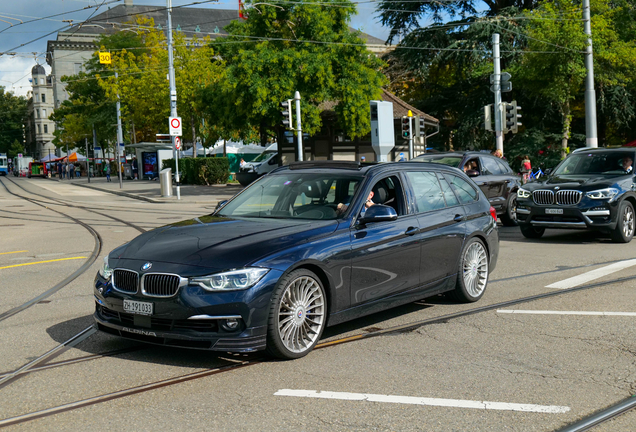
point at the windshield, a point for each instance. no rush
(610, 163)
(264, 156)
(294, 195)
(452, 161)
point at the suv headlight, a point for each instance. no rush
(105, 271)
(522, 193)
(608, 193)
(231, 280)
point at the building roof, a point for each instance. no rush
(38, 70)
(400, 108)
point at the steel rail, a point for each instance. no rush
(395, 329)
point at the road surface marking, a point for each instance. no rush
(454, 403)
(547, 312)
(592, 275)
(42, 262)
(5, 253)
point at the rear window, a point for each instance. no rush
(428, 193)
(452, 161)
(465, 192)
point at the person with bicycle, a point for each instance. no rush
(526, 168)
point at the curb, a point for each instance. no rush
(125, 194)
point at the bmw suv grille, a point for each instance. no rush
(125, 280)
(568, 197)
(160, 285)
(543, 197)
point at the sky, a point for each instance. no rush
(15, 70)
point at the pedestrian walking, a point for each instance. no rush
(107, 171)
(135, 169)
(71, 171)
(59, 170)
(526, 168)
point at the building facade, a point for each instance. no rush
(39, 130)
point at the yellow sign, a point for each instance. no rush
(104, 57)
(410, 113)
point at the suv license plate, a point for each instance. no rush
(137, 307)
(553, 211)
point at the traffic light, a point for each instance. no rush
(406, 127)
(511, 121)
(286, 113)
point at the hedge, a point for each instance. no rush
(203, 171)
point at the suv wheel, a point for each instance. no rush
(509, 218)
(624, 231)
(531, 232)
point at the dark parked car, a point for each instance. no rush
(493, 176)
(309, 245)
(590, 189)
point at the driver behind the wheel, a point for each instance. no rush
(627, 164)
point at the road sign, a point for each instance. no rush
(104, 57)
(19, 155)
(175, 126)
(505, 87)
(177, 143)
(504, 77)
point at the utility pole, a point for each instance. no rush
(94, 146)
(120, 137)
(173, 95)
(497, 91)
(410, 117)
(590, 95)
(299, 129)
(88, 161)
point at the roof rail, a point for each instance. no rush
(325, 164)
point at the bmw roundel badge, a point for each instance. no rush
(146, 266)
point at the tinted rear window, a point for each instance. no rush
(444, 160)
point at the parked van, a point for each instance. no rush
(264, 163)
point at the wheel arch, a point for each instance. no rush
(325, 279)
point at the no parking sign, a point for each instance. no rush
(177, 143)
(175, 126)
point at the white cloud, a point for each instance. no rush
(15, 73)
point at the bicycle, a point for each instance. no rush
(535, 175)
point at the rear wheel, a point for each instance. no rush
(509, 218)
(472, 277)
(624, 231)
(297, 316)
(531, 232)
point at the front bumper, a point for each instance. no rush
(193, 318)
(588, 214)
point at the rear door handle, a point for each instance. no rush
(458, 218)
(411, 231)
(483, 184)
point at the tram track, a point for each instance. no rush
(600, 418)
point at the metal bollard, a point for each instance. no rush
(165, 178)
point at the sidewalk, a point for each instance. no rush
(150, 191)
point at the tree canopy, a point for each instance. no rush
(13, 116)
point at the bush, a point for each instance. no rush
(205, 171)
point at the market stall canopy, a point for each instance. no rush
(49, 158)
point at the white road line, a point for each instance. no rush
(547, 312)
(454, 403)
(592, 275)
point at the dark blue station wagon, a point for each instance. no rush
(307, 246)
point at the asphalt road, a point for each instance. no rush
(548, 364)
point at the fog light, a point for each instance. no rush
(230, 324)
(100, 290)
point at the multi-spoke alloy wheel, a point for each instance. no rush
(628, 221)
(624, 231)
(298, 315)
(473, 272)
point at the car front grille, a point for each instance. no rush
(568, 197)
(161, 324)
(161, 285)
(125, 280)
(543, 197)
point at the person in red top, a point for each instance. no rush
(526, 167)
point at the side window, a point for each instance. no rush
(490, 166)
(505, 169)
(388, 191)
(464, 191)
(449, 196)
(428, 192)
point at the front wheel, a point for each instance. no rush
(624, 231)
(297, 316)
(531, 232)
(509, 218)
(472, 277)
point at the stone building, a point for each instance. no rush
(40, 128)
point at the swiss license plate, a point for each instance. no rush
(553, 211)
(137, 307)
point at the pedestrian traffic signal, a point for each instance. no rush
(286, 113)
(406, 127)
(511, 121)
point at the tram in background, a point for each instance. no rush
(3, 164)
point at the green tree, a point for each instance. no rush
(13, 115)
(291, 46)
(15, 149)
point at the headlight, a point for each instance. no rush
(105, 271)
(522, 193)
(231, 280)
(608, 193)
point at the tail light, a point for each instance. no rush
(493, 213)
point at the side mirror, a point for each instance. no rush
(219, 205)
(472, 173)
(548, 171)
(379, 213)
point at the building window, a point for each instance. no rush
(37, 113)
(46, 128)
(39, 129)
(37, 97)
(43, 98)
(44, 113)
(41, 81)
